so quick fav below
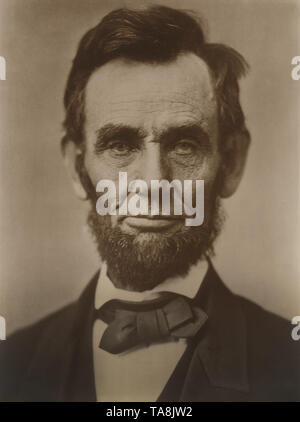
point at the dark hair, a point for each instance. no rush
(155, 35)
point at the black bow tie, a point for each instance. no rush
(148, 322)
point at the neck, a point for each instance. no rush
(119, 283)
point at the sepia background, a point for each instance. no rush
(46, 254)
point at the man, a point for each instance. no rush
(148, 97)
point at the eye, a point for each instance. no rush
(119, 148)
(184, 147)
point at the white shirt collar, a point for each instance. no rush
(187, 286)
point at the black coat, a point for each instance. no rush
(243, 353)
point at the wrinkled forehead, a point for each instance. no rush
(151, 96)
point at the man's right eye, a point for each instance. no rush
(120, 148)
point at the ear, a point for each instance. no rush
(234, 160)
(72, 154)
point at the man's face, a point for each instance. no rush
(153, 121)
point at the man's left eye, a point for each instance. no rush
(184, 147)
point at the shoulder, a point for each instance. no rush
(273, 356)
(53, 326)
(26, 337)
(41, 351)
(264, 326)
(18, 352)
(265, 330)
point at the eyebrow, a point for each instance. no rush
(187, 131)
(132, 134)
(112, 131)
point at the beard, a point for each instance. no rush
(140, 264)
(141, 261)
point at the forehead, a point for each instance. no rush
(151, 96)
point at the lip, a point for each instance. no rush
(150, 223)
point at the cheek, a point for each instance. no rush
(98, 169)
(205, 170)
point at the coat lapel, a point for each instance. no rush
(61, 369)
(80, 385)
(218, 366)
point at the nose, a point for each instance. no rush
(153, 165)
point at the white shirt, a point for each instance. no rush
(139, 374)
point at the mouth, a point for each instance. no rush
(151, 223)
